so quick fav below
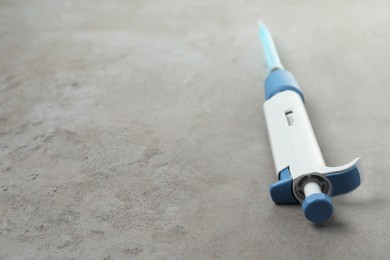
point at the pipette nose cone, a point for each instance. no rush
(317, 207)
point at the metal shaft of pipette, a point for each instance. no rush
(271, 54)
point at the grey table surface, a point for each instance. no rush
(135, 128)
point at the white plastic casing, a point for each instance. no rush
(293, 142)
(292, 138)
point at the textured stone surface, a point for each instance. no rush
(135, 128)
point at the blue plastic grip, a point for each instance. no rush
(342, 182)
(281, 191)
(345, 181)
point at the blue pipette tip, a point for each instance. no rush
(271, 55)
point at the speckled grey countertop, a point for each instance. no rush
(135, 128)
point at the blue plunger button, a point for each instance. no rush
(317, 207)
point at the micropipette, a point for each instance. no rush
(303, 176)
